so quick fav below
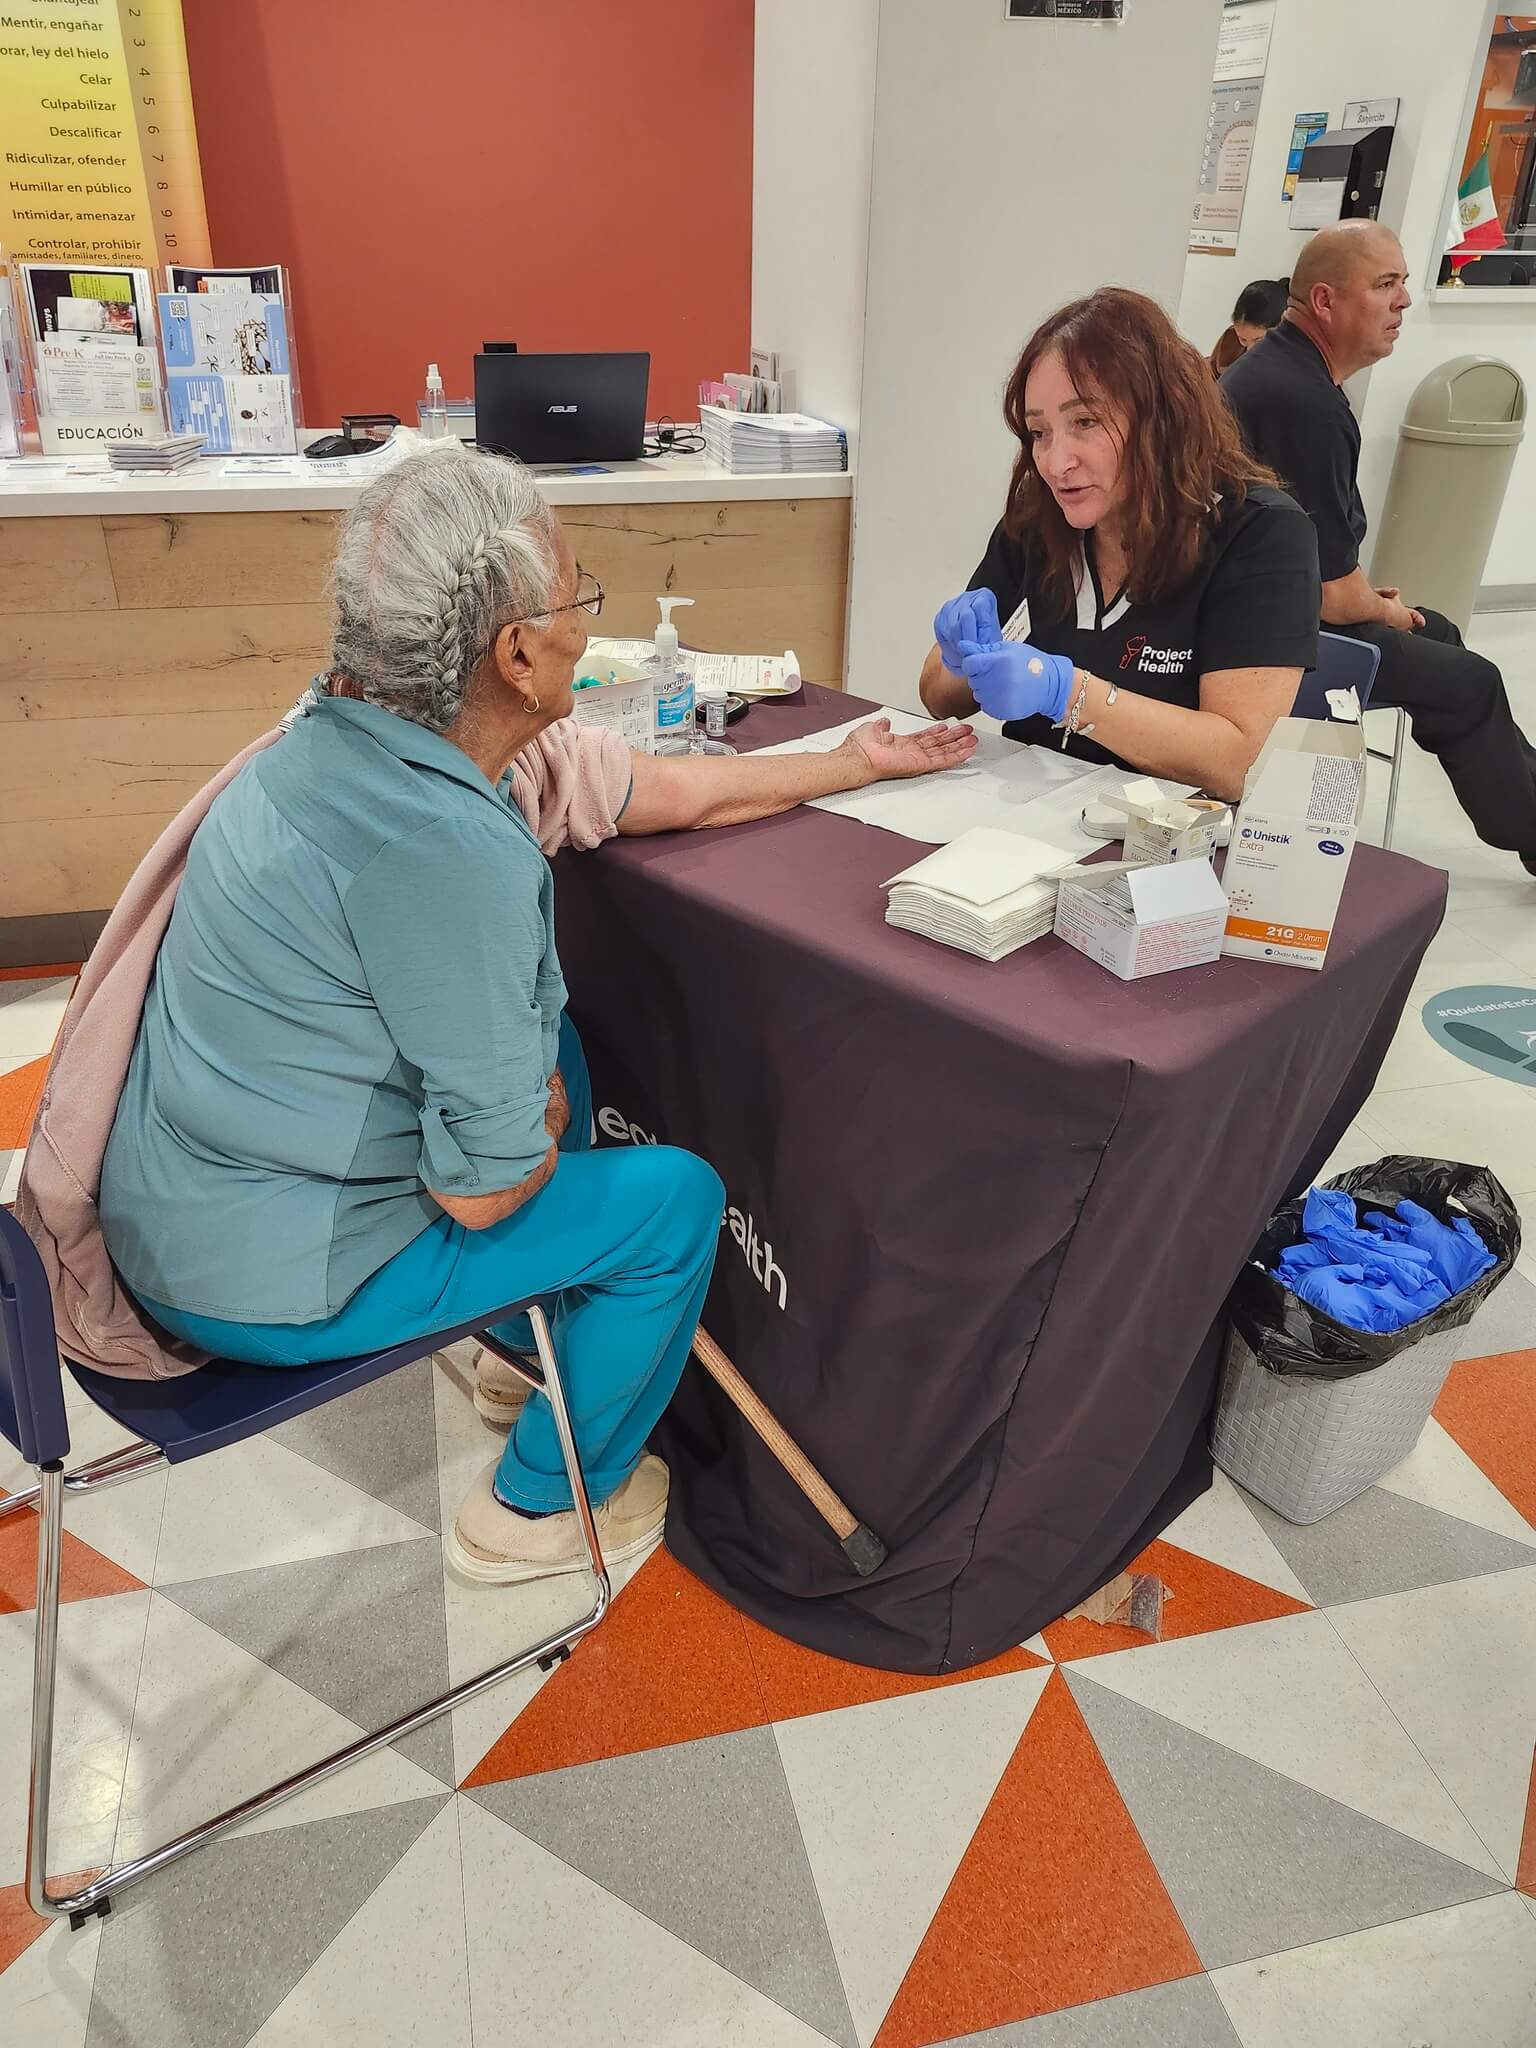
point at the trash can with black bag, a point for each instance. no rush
(1312, 1412)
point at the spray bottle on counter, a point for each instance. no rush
(434, 414)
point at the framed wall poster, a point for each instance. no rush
(1237, 85)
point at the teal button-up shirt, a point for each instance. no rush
(357, 1000)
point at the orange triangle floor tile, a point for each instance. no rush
(19, 1925)
(796, 1681)
(1525, 1870)
(667, 1664)
(1055, 1903)
(87, 1575)
(40, 973)
(20, 1091)
(1201, 1598)
(1489, 1406)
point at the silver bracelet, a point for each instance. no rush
(1075, 712)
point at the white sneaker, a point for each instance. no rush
(491, 1546)
(500, 1395)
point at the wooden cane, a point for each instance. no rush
(862, 1547)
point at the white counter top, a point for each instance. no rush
(32, 490)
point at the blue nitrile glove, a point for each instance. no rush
(1455, 1251)
(1368, 1296)
(970, 616)
(1015, 680)
(1329, 1221)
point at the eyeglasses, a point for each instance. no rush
(588, 598)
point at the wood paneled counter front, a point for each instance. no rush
(150, 628)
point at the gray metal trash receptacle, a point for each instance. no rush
(1456, 448)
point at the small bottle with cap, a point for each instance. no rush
(434, 414)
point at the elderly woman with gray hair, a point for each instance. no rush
(356, 1111)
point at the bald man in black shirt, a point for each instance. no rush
(1349, 293)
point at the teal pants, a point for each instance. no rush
(618, 1247)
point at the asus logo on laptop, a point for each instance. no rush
(562, 408)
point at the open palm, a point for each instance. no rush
(899, 756)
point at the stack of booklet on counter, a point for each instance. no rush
(753, 442)
(986, 893)
(157, 457)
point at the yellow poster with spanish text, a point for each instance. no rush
(98, 148)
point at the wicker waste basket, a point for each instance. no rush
(1311, 1412)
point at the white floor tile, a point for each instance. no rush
(1289, 1695)
(1482, 1122)
(100, 1642)
(556, 1960)
(45, 1996)
(397, 1975)
(1438, 1473)
(1219, 1528)
(213, 1725)
(1457, 1666)
(259, 1504)
(926, 1767)
(1360, 1145)
(30, 1015)
(1418, 1060)
(10, 1176)
(1463, 1978)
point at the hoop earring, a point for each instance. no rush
(530, 705)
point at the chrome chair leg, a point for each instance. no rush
(1399, 745)
(115, 1468)
(96, 1897)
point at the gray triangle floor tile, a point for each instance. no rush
(365, 1631)
(1254, 1862)
(1505, 1322)
(1383, 1543)
(381, 1439)
(1188, 2014)
(201, 1955)
(702, 1838)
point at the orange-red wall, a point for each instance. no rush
(566, 174)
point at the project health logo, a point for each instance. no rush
(1493, 1029)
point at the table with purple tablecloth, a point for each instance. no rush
(982, 1219)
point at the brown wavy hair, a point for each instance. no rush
(1182, 445)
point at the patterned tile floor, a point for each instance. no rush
(1304, 1819)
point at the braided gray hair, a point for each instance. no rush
(434, 559)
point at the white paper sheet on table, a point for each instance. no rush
(1037, 791)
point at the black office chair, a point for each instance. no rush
(1346, 664)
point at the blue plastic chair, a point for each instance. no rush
(1347, 664)
(173, 1421)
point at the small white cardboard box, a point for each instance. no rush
(1138, 920)
(1162, 828)
(1292, 841)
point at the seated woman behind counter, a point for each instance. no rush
(356, 1112)
(1149, 583)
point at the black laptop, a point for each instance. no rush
(553, 409)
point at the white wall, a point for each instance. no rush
(814, 101)
(1016, 164)
(1324, 53)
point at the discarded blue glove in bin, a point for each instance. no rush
(1455, 1250)
(1368, 1297)
(1294, 1339)
(1385, 1272)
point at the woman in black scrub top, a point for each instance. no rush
(1149, 583)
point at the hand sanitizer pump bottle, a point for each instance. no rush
(675, 725)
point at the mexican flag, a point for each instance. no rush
(1475, 225)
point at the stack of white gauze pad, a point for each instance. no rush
(986, 893)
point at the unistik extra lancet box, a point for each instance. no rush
(1292, 842)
